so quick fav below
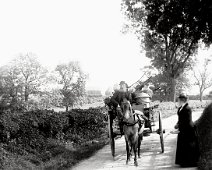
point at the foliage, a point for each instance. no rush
(72, 80)
(203, 77)
(204, 129)
(84, 123)
(31, 74)
(109, 92)
(31, 130)
(170, 31)
(20, 79)
(162, 84)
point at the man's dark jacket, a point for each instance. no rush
(119, 96)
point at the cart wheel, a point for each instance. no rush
(161, 132)
(111, 136)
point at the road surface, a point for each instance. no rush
(151, 156)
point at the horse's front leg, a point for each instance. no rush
(135, 155)
(131, 151)
(135, 147)
(128, 150)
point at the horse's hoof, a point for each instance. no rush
(139, 156)
(136, 163)
(126, 162)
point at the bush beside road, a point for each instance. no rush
(42, 136)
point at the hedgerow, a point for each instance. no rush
(86, 124)
(29, 132)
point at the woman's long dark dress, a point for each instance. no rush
(187, 153)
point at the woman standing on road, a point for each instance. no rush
(187, 153)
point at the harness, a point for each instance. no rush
(131, 123)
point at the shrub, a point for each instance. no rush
(204, 129)
(28, 134)
(86, 124)
(9, 126)
(31, 129)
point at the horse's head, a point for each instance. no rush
(126, 110)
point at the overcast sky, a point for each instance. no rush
(65, 30)
(59, 31)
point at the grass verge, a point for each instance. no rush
(60, 156)
(64, 157)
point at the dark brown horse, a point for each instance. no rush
(130, 128)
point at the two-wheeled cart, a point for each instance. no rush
(149, 112)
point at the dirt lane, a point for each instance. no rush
(151, 156)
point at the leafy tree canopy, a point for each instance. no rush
(73, 82)
(170, 31)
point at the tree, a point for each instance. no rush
(183, 83)
(9, 87)
(109, 92)
(210, 94)
(73, 82)
(20, 78)
(162, 84)
(203, 77)
(31, 75)
(170, 31)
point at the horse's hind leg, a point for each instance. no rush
(140, 138)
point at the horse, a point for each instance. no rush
(131, 132)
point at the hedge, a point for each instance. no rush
(29, 132)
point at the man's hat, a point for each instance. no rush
(122, 82)
(183, 95)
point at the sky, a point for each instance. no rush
(59, 31)
(67, 30)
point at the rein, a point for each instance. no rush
(130, 124)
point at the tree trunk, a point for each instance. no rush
(26, 94)
(72, 106)
(66, 108)
(200, 95)
(173, 89)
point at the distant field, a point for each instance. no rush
(86, 106)
(194, 104)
